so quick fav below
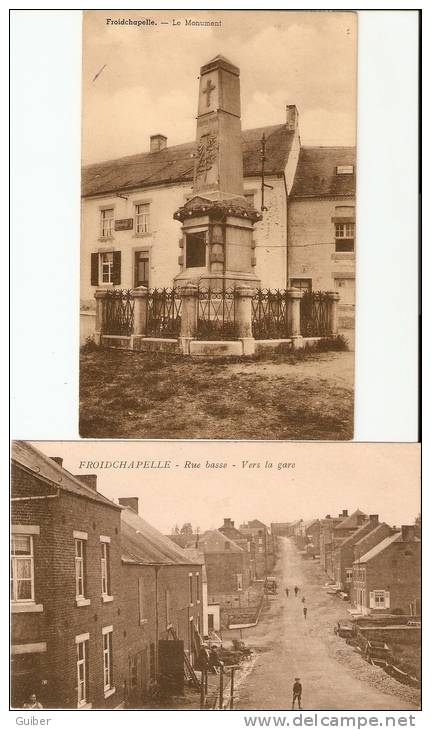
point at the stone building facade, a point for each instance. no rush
(305, 239)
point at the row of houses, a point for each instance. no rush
(99, 598)
(234, 559)
(103, 606)
(375, 565)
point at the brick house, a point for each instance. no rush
(162, 598)
(244, 541)
(386, 579)
(307, 536)
(259, 534)
(339, 530)
(344, 552)
(66, 622)
(227, 565)
(326, 538)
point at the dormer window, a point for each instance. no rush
(344, 169)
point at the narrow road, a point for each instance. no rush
(333, 676)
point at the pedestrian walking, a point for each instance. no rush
(297, 693)
(304, 610)
(303, 599)
(287, 592)
(296, 589)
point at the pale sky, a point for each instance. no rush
(149, 81)
(380, 479)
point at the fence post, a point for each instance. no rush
(334, 298)
(232, 687)
(243, 319)
(220, 689)
(294, 297)
(189, 316)
(100, 296)
(140, 299)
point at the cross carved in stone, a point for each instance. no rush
(207, 90)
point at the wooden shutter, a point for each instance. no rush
(94, 269)
(116, 268)
(387, 599)
(372, 602)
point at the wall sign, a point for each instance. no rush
(124, 224)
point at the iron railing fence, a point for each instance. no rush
(118, 312)
(269, 319)
(216, 314)
(314, 314)
(163, 313)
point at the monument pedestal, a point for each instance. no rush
(218, 235)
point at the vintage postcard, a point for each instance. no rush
(218, 224)
(158, 576)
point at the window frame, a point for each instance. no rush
(106, 232)
(110, 264)
(104, 567)
(107, 659)
(345, 232)
(145, 253)
(15, 560)
(191, 589)
(145, 224)
(80, 560)
(82, 641)
(378, 596)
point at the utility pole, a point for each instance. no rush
(231, 688)
(262, 173)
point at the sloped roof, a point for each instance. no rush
(316, 173)
(44, 468)
(175, 164)
(213, 541)
(256, 523)
(142, 544)
(309, 523)
(361, 532)
(370, 533)
(349, 523)
(381, 546)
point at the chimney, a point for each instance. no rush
(407, 533)
(291, 117)
(228, 522)
(328, 517)
(374, 519)
(158, 142)
(132, 502)
(361, 519)
(58, 460)
(89, 479)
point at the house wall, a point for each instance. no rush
(161, 242)
(222, 569)
(311, 238)
(62, 619)
(147, 620)
(394, 571)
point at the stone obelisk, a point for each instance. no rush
(217, 247)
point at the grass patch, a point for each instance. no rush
(126, 394)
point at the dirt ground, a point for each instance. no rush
(126, 394)
(333, 675)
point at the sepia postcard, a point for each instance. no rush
(218, 224)
(161, 576)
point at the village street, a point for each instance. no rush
(333, 676)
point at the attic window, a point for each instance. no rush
(344, 169)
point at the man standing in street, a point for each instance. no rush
(296, 589)
(305, 612)
(287, 592)
(297, 693)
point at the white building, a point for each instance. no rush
(306, 238)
